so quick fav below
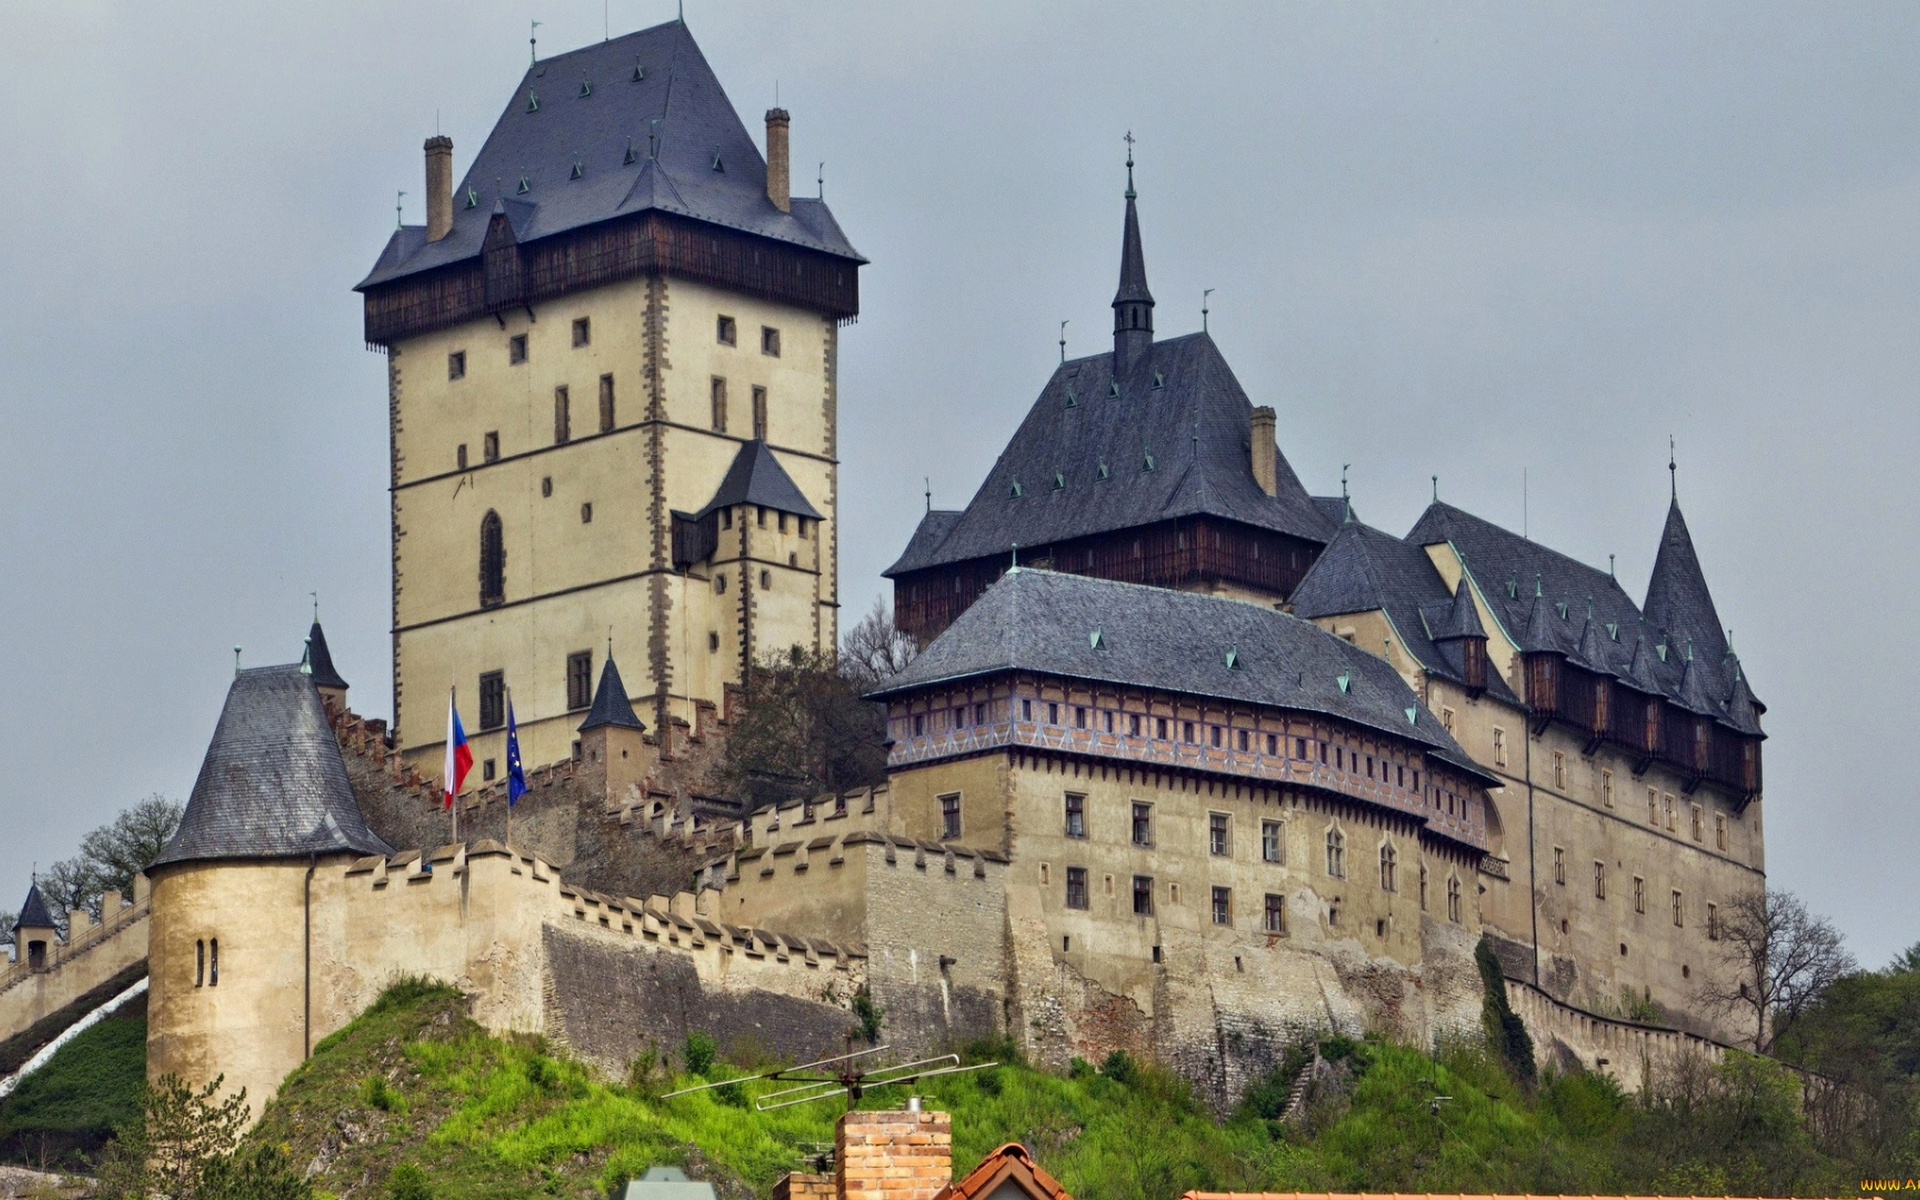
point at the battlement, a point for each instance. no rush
(93, 952)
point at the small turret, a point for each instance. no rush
(318, 662)
(34, 932)
(613, 744)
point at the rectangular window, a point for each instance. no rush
(493, 699)
(1500, 747)
(1143, 895)
(1222, 906)
(1423, 887)
(1217, 834)
(1243, 740)
(1559, 769)
(1699, 824)
(488, 770)
(1559, 866)
(770, 341)
(1076, 815)
(1216, 737)
(457, 365)
(919, 724)
(1453, 899)
(490, 447)
(727, 332)
(582, 332)
(1053, 714)
(1026, 710)
(1653, 807)
(1273, 844)
(1599, 880)
(606, 404)
(1606, 788)
(1160, 728)
(1079, 716)
(1639, 894)
(460, 456)
(562, 417)
(1276, 915)
(979, 714)
(1667, 803)
(1273, 745)
(579, 679)
(517, 349)
(1679, 911)
(1720, 830)
(1446, 719)
(718, 389)
(1133, 725)
(760, 414)
(949, 817)
(1389, 868)
(1336, 854)
(1076, 887)
(1191, 737)
(1300, 748)
(1142, 824)
(1713, 922)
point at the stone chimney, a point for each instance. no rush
(893, 1155)
(779, 169)
(439, 187)
(1262, 449)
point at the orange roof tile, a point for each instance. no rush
(1010, 1161)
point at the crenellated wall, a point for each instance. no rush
(1636, 1055)
(94, 952)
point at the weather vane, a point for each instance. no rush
(533, 44)
(1063, 341)
(397, 197)
(1203, 309)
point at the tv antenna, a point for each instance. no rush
(840, 1076)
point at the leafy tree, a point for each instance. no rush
(109, 858)
(7, 918)
(1776, 959)
(804, 730)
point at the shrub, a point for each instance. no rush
(376, 1092)
(1505, 1032)
(1120, 1067)
(408, 1182)
(868, 1015)
(1079, 1068)
(409, 989)
(698, 1052)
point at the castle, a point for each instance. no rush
(1191, 762)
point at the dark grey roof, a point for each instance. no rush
(320, 660)
(1459, 619)
(597, 108)
(1336, 509)
(756, 477)
(1180, 405)
(273, 784)
(34, 913)
(1150, 637)
(1133, 262)
(1366, 569)
(932, 530)
(1548, 602)
(610, 703)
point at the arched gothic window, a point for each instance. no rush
(493, 561)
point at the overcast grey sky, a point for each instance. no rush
(1459, 240)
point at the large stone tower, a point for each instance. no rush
(612, 376)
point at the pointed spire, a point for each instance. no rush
(1641, 668)
(610, 703)
(1132, 302)
(34, 913)
(1462, 619)
(1678, 601)
(1743, 710)
(319, 660)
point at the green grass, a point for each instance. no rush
(415, 1082)
(67, 1109)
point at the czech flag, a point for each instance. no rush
(459, 754)
(516, 775)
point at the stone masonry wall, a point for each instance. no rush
(95, 952)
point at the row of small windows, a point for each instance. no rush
(761, 513)
(1273, 913)
(1661, 811)
(1678, 898)
(727, 333)
(718, 394)
(562, 426)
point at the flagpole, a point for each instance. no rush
(509, 838)
(453, 792)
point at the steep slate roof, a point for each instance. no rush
(1151, 637)
(1198, 398)
(320, 660)
(610, 703)
(601, 132)
(34, 914)
(1364, 569)
(273, 784)
(756, 477)
(1541, 599)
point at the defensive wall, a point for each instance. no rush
(1635, 1055)
(94, 953)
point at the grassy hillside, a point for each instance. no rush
(66, 1110)
(414, 1081)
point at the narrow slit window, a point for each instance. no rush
(606, 404)
(582, 332)
(562, 417)
(213, 962)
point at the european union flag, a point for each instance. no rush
(516, 775)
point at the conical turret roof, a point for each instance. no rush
(610, 703)
(1677, 596)
(320, 660)
(1133, 260)
(273, 784)
(34, 914)
(1462, 619)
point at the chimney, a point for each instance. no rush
(1265, 472)
(893, 1155)
(779, 172)
(439, 187)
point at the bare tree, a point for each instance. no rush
(109, 858)
(875, 650)
(1776, 958)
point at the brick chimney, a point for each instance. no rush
(439, 187)
(1263, 451)
(893, 1155)
(779, 170)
